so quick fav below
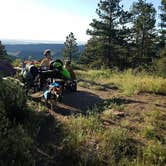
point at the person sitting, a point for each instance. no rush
(44, 66)
(45, 63)
(69, 68)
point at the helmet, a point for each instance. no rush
(46, 51)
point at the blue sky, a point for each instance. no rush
(49, 20)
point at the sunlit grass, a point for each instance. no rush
(128, 82)
(91, 142)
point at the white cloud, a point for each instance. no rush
(26, 20)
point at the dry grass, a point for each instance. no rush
(128, 82)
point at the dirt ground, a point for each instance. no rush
(83, 99)
(79, 102)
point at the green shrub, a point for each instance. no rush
(13, 97)
(16, 147)
(79, 141)
(15, 143)
(116, 145)
(16, 63)
(154, 154)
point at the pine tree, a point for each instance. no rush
(3, 52)
(163, 22)
(70, 50)
(91, 54)
(143, 18)
(110, 30)
(161, 62)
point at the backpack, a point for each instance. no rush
(56, 64)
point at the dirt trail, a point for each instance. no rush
(80, 101)
(83, 99)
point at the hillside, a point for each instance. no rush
(35, 51)
(115, 118)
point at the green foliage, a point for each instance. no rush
(92, 54)
(15, 144)
(70, 51)
(123, 39)
(154, 154)
(161, 63)
(154, 126)
(163, 23)
(108, 43)
(80, 128)
(90, 144)
(143, 32)
(16, 63)
(13, 96)
(128, 82)
(16, 147)
(116, 145)
(3, 52)
(78, 139)
(4, 55)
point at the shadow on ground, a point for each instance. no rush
(78, 102)
(81, 101)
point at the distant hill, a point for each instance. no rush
(35, 51)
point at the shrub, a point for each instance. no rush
(154, 154)
(15, 145)
(13, 97)
(116, 145)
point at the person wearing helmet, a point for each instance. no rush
(45, 63)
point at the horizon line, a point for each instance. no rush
(33, 41)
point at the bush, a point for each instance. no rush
(13, 97)
(116, 145)
(16, 147)
(154, 154)
(15, 144)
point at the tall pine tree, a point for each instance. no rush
(110, 31)
(70, 50)
(143, 18)
(163, 22)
